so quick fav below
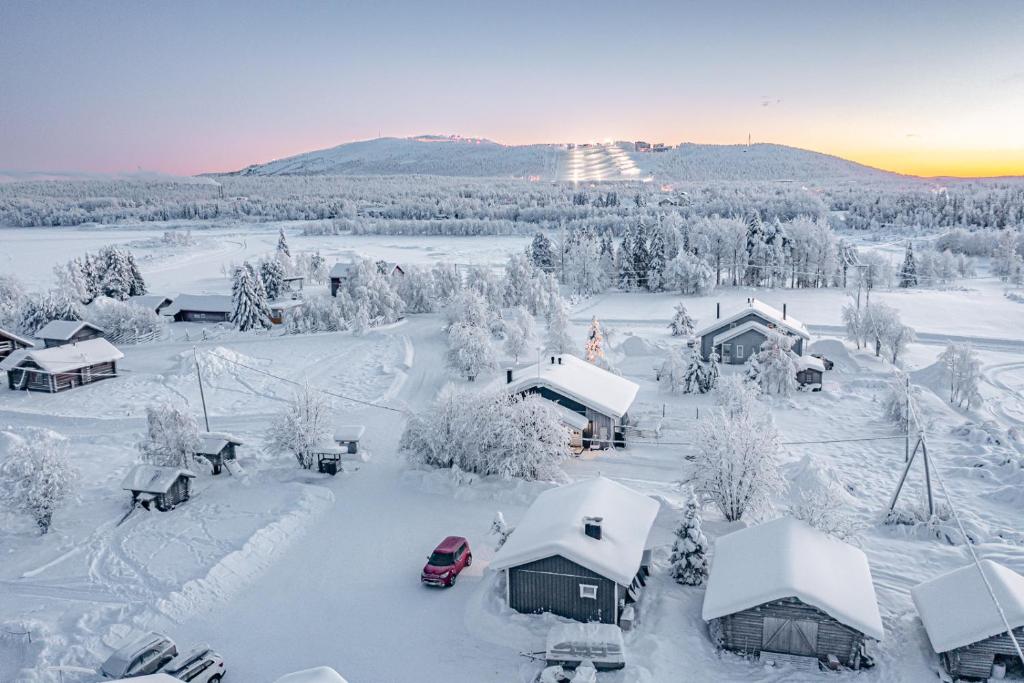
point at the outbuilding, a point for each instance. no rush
(964, 625)
(219, 448)
(201, 308)
(578, 551)
(281, 309)
(61, 367)
(601, 397)
(154, 302)
(738, 336)
(340, 275)
(348, 437)
(159, 487)
(810, 372)
(60, 332)
(786, 591)
(10, 342)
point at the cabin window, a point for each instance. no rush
(739, 350)
(726, 348)
(588, 591)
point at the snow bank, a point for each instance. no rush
(835, 350)
(216, 362)
(320, 674)
(634, 346)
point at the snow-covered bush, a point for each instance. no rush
(688, 563)
(125, 322)
(172, 436)
(302, 427)
(249, 300)
(821, 507)
(775, 366)
(316, 314)
(963, 370)
(689, 274)
(36, 476)
(681, 323)
(500, 530)
(470, 350)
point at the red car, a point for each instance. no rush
(450, 557)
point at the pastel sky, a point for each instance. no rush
(931, 88)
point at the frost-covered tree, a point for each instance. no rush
(71, 281)
(776, 365)
(272, 276)
(447, 282)
(317, 314)
(39, 309)
(518, 273)
(468, 307)
(697, 377)
(282, 244)
(541, 253)
(470, 350)
(172, 436)
(888, 330)
(249, 300)
(36, 476)
(500, 530)
(688, 563)
(820, 506)
(963, 371)
(515, 340)
(672, 373)
(369, 287)
(594, 348)
(361, 322)
(559, 340)
(908, 271)
(657, 260)
(12, 299)
(689, 274)
(855, 323)
(126, 322)
(417, 290)
(302, 427)
(115, 274)
(899, 405)
(681, 323)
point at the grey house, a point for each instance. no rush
(61, 367)
(738, 336)
(220, 449)
(783, 590)
(964, 627)
(201, 308)
(60, 332)
(578, 551)
(601, 398)
(154, 302)
(159, 487)
(10, 342)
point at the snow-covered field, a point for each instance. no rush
(281, 569)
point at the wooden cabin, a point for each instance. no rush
(160, 487)
(340, 275)
(10, 342)
(201, 308)
(280, 310)
(578, 551)
(740, 335)
(602, 398)
(810, 372)
(60, 332)
(291, 286)
(153, 302)
(964, 626)
(60, 368)
(785, 592)
(348, 436)
(218, 448)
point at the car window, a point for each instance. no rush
(141, 661)
(461, 551)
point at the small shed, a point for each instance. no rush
(281, 309)
(10, 342)
(578, 551)
(348, 437)
(201, 308)
(60, 332)
(291, 286)
(159, 487)
(785, 590)
(154, 302)
(61, 367)
(810, 372)
(219, 448)
(340, 274)
(964, 626)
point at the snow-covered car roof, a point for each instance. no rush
(579, 380)
(212, 443)
(201, 303)
(63, 330)
(153, 478)
(320, 674)
(553, 525)
(957, 610)
(66, 358)
(768, 313)
(349, 432)
(786, 558)
(10, 335)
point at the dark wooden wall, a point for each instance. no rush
(976, 660)
(553, 585)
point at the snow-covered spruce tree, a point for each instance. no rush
(908, 271)
(39, 309)
(681, 324)
(558, 339)
(696, 379)
(594, 348)
(282, 244)
(12, 298)
(272, 276)
(172, 436)
(776, 366)
(71, 281)
(541, 253)
(470, 351)
(302, 427)
(657, 261)
(137, 285)
(500, 530)
(117, 273)
(712, 372)
(688, 563)
(249, 300)
(37, 477)
(963, 371)
(641, 256)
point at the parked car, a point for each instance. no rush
(825, 361)
(144, 655)
(450, 557)
(199, 665)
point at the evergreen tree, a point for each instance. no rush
(712, 372)
(595, 341)
(282, 244)
(137, 285)
(908, 271)
(681, 323)
(115, 274)
(249, 300)
(756, 250)
(540, 252)
(641, 255)
(272, 277)
(689, 562)
(627, 276)
(695, 376)
(658, 261)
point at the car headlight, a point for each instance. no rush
(445, 574)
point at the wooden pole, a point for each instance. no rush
(927, 479)
(202, 394)
(903, 479)
(906, 441)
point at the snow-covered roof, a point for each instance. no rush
(553, 525)
(321, 674)
(726, 335)
(342, 269)
(153, 478)
(809, 363)
(285, 304)
(150, 301)
(584, 382)
(15, 338)
(786, 558)
(769, 313)
(66, 358)
(63, 330)
(957, 610)
(203, 303)
(349, 432)
(212, 443)
(570, 417)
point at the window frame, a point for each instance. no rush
(588, 591)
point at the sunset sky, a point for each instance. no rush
(929, 88)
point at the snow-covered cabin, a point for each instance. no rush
(810, 372)
(340, 274)
(320, 674)
(218, 448)
(578, 551)
(738, 336)
(291, 286)
(161, 487)
(601, 397)
(201, 308)
(389, 268)
(282, 308)
(785, 588)
(61, 367)
(10, 342)
(60, 332)
(964, 625)
(154, 302)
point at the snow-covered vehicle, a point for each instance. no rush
(569, 645)
(144, 655)
(200, 664)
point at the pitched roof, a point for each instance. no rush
(810, 363)
(768, 313)
(553, 525)
(63, 330)
(15, 338)
(202, 303)
(581, 381)
(153, 478)
(66, 358)
(729, 333)
(786, 558)
(212, 443)
(342, 269)
(151, 301)
(957, 610)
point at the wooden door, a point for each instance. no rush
(790, 636)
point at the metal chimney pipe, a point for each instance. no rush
(718, 310)
(508, 376)
(783, 311)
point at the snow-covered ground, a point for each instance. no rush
(281, 569)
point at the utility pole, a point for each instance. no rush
(202, 394)
(906, 407)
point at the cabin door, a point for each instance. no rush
(790, 636)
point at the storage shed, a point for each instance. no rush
(61, 367)
(60, 332)
(578, 551)
(810, 372)
(340, 274)
(219, 448)
(739, 335)
(201, 308)
(281, 309)
(785, 590)
(348, 437)
(964, 625)
(160, 487)
(10, 342)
